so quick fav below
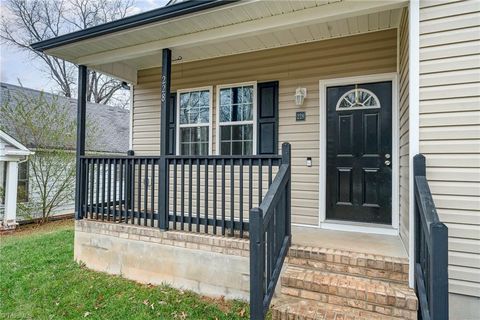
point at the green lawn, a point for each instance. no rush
(40, 280)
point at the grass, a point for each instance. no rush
(40, 280)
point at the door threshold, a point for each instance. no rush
(351, 226)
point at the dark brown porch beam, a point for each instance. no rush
(81, 132)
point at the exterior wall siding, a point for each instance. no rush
(403, 71)
(299, 65)
(450, 132)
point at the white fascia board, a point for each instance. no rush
(324, 13)
(8, 139)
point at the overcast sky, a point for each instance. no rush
(18, 65)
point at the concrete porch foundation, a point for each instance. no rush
(209, 265)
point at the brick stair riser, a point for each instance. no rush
(317, 310)
(351, 259)
(392, 276)
(328, 315)
(370, 305)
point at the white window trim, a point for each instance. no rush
(210, 116)
(254, 110)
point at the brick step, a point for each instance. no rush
(314, 310)
(387, 268)
(385, 298)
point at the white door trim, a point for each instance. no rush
(346, 226)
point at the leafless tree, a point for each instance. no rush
(28, 21)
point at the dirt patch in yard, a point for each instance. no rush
(28, 229)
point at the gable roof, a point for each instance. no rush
(11, 147)
(112, 122)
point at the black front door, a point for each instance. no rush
(359, 153)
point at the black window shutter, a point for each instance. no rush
(267, 118)
(172, 123)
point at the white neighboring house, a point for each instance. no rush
(112, 137)
(12, 153)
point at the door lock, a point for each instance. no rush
(387, 162)
(387, 156)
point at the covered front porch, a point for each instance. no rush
(237, 125)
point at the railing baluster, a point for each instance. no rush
(139, 196)
(174, 194)
(126, 189)
(250, 185)
(182, 199)
(103, 189)
(205, 210)
(190, 191)
(85, 189)
(145, 196)
(97, 186)
(159, 189)
(232, 198)
(132, 192)
(152, 193)
(260, 178)
(109, 188)
(241, 198)
(269, 172)
(223, 197)
(198, 195)
(214, 196)
(114, 218)
(167, 190)
(120, 191)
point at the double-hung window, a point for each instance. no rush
(194, 118)
(236, 119)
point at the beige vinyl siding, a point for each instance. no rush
(403, 72)
(300, 65)
(450, 129)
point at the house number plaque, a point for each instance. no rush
(300, 116)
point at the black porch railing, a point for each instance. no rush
(209, 194)
(270, 238)
(431, 250)
(225, 195)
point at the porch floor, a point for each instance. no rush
(351, 241)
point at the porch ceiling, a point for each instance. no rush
(238, 27)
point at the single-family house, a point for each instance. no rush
(111, 125)
(277, 155)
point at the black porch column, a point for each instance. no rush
(80, 151)
(164, 139)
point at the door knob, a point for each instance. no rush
(387, 162)
(387, 156)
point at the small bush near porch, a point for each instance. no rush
(40, 280)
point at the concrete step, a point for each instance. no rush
(314, 310)
(377, 296)
(348, 262)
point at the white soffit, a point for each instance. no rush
(244, 26)
(315, 32)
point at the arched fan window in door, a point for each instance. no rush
(358, 99)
